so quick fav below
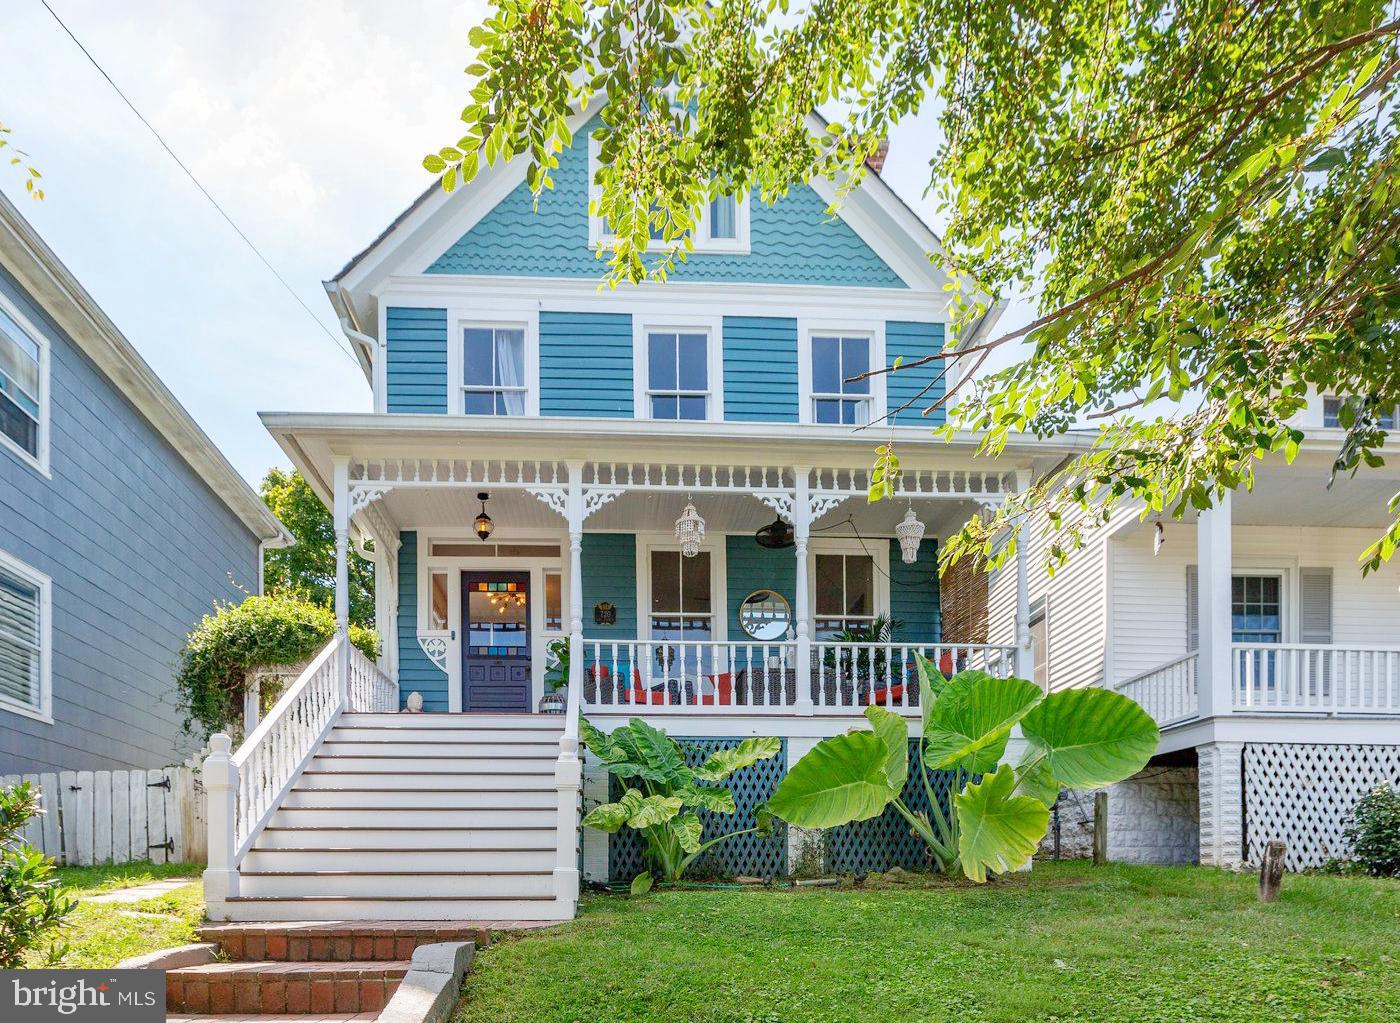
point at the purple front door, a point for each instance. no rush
(496, 651)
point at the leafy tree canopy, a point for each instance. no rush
(307, 569)
(1202, 197)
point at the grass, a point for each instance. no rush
(100, 935)
(1067, 942)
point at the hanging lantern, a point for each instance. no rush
(483, 524)
(910, 531)
(690, 531)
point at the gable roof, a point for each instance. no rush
(42, 274)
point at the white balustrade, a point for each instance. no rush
(846, 675)
(1300, 678)
(370, 689)
(1167, 692)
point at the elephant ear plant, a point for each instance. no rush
(1077, 738)
(663, 795)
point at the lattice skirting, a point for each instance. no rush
(887, 841)
(1302, 794)
(746, 855)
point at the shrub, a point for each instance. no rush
(32, 902)
(1373, 829)
(258, 632)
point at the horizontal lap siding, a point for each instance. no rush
(914, 341)
(138, 549)
(585, 364)
(751, 567)
(914, 595)
(416, 366)
(760, 369)
(416, 672)
(609, 566)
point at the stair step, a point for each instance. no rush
(509, 856)
(404, 838)
(460, 734)
(283, 987)
(494, 884)
(433, 765)
(475, 722)
(338, 941)
(440, 750)
(412, 816)
(362, 778)
(434, 798)
(507, 911)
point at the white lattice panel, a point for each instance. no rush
(1301, 794)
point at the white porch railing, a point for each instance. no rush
(755, 677)
(246, 787)
(1168, 692)
(1311, 679)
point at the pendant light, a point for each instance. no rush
(909, 531)
(690, 530)
(483, 524)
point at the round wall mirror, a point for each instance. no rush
(765, 615)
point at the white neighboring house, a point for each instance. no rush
(1251, 636)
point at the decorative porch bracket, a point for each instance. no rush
(556, 499)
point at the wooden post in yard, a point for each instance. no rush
(1100, 828)
(1271, 871)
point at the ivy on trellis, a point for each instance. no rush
(887, 841)
(746, 855)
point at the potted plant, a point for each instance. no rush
(556, 678)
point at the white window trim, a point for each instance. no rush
(39, 461)
(529, 322)
(879, 551)
(1040, 609)
(739, 245)
(715, 546)
(712, 328)
(31, 575)
(809, 328)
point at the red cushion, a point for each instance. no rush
(723, 695)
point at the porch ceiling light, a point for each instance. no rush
(690, 531)
(483, 524)
(775, 536)
(910, 531)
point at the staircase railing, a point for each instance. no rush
(371, 690)
(568, 778)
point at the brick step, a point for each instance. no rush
(330, 1017)
(337, 941)
(283, 987)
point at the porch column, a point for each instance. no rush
(574, 508)
(341, 519)
(1213, 562)
(801, 533)
(1025, 657)
(1221, 780)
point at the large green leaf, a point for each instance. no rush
(1037, 781)
(842, 779)
(998, 830)
(1090, 737)
(619, 752)
(931, 683)
(649, 811)
(607, 817)
(970, 721)
(722, 763)
(660, 753)
(894, 733)
(687, 828)
(710, 797)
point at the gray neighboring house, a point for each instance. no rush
(120, 526)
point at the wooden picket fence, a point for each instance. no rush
(93, 817)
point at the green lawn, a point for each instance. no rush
(1067, 942)
(103, 934)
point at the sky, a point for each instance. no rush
(306, 121)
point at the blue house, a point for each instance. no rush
(658, 493)
(120, 526)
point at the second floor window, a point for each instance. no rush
(724, 218)
(493, 371)
(836, 397)
(1332, 414)
(20, 381)
(678, 376)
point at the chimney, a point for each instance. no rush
(876, 160)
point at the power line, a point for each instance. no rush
(339, 342)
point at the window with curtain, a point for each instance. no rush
(724, 218)
(20, 370)
(553, 602)
(439, 620)
(1040, 644)
(836, 397)
(493, 371)
(845, 591)
(1332, 409)
(21, 640)
(678, 375)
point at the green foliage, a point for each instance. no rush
(664, 794)
(1203, 201)
(32, 902)
(556, 671)
(235, 638)
(1081, 738)
(306, 570)
(1373, 830)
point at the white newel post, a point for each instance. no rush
(341, 518)
(801, 534)
(1213, 571)
(221, 791)
(1025, 656)
(568, 772)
